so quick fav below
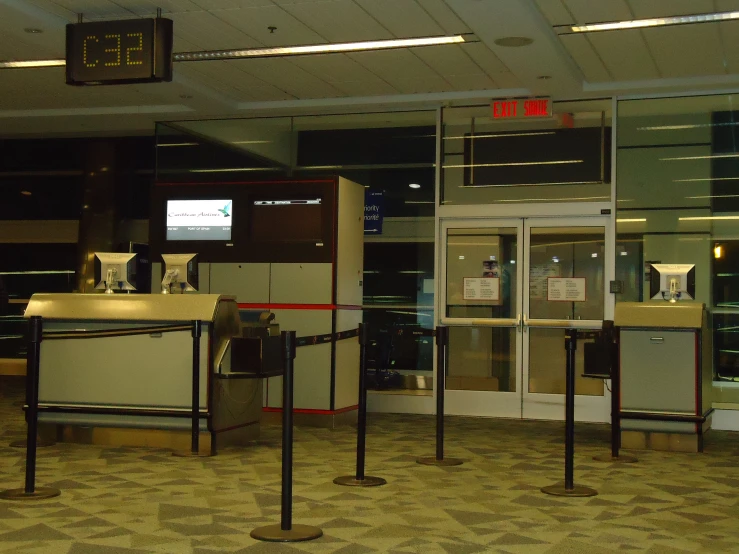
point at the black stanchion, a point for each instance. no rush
(569, 488)
(197, 331)
(286, 531)
(615, 456)
(442, 341)
(30, 492)
(360, 479)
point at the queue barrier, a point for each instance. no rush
(30, 491)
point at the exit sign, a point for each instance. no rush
(524, 108)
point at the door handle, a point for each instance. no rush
(525, 323)
(519, 323)
(656, 340)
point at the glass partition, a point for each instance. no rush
(677, 200)
(393, 155)
(564, 158)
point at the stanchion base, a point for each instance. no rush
(576, 491)
(41, 493)
(433, 461)
(190, 454)
(352, 481)
(275, 533)
(22, 443)
(620, 459)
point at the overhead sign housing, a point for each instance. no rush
(119, 52)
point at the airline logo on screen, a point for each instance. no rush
(199, 219)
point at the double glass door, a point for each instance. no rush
(511, 288)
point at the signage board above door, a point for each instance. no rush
(522, 108)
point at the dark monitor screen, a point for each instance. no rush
(287, 220)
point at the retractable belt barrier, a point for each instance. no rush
(310, 340)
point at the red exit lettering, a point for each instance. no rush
(505, 108)
(536, 108)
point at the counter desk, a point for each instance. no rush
(116, 369)
(666, 375)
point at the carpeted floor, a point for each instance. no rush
(124, 500)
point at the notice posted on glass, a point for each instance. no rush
(482, 288)
(566, 289)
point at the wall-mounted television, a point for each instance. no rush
(300, 220)
(199, 219)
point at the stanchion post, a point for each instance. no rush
(360, 479)
(29, 491)
(286, 531)
(197, 333)
(442, 342)
(612, 334)
(569, 488)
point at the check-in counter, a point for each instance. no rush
(117, 369)
(666, 375)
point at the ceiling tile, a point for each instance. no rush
(208, 32)
(625, 55)
(403, 18)
(334, 68)
(555, 12)
(444, 16)
(590, 11)
(394, 64)
(726, 5)
(674, 50)
(448, 60)
(95, 9)
(148, 8)
(336, 20)
(729, 33)
(288, 77)
(374, 87)
(485, 58)
(255, 22)
(478, 81)
(662, 8)
(586, 58)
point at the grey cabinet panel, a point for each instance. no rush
(658, 370)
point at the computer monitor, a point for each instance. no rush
(115, 271)
(180, 273)
(672, 282)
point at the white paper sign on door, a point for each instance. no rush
(482, 288)
(566, 289)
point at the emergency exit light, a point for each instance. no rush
(525, 108)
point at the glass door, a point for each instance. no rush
(565, 287)
(510, 288)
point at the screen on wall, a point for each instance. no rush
(199, 219)
(286, 220)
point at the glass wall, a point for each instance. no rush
(392, 154)
(677, 173)
(565, 158)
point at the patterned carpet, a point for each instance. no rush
(125, 500)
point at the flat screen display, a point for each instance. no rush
(199, 219)
(287, 220)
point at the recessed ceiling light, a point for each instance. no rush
(652, 22)
(33, 30)
(26, 192)
(513, 42)
(415, 186)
